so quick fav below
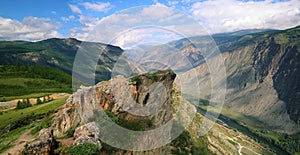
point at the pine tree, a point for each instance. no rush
(19, 105)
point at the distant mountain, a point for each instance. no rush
(58, 53)
(262, 76)
(262, 67)
(262, 71)
(244, 32)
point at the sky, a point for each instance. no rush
(126, 22)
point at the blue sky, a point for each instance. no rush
(37, 20)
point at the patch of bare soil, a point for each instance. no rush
(19, 144)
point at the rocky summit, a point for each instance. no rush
(142, 98)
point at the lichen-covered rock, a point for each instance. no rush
(44, 144)
(87, 133)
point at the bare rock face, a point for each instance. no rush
(44, 144)
(143, 97)
(87, 133)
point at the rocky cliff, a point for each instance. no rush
(124, 97)
(262, 78)
(142, 101)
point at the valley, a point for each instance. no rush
(260, 114)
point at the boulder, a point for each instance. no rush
(87, 133)
(44, 144)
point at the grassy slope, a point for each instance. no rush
(43, 52)
(31, 81)
(289, 143)
(11, 116)
(46, 110)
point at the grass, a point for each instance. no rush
(232, 142)
(264, 134)
(44, 123)
(12, 87)
(7, 139)
(23, 81)
(14, 115)
(83, 149)
(34, 95)
(137, 125)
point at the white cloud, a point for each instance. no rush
(145, 35)
(156, 11)
(67, 19)
(75, 9)
(88, 23)
(138, 25)
(173, 3)
(232, 15)
(84, 32)
(31, 28)
(98, 7)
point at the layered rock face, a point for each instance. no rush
(140, 98)
(262, 73)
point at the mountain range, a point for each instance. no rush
(262, 70)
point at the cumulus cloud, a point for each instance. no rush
(215, 15)
(139, 25)
(232, 15)
(88, 23)
(67, 19)
(145, 35)
(75, 9)
(98, 6)
(84, 32)
(31, 28)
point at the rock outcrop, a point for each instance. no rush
(87, 133)
(145, 97)
(44, 144)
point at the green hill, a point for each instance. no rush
(31, 81)
(60, 54)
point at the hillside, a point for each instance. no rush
(19, 80)
(252, 60)
(76, 126)
(262, 84)
(262, 72)
(60, 54)
(262, 80)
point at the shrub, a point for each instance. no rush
(23, 104)
(38, 100)
(70, 132)
(84, 149)
(136, 79)
(151, 76)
